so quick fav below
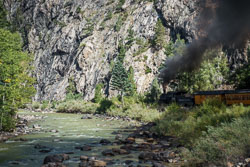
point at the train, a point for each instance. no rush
(229, 97)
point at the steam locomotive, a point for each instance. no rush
(229, 97)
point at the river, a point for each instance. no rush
(72, 132)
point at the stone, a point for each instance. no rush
(45, 150)
(118, 137)
(150, 140)
(69, 153)
(130, 140)
(128, 162)
(53, 165)
(55, 158)
(86, 117)
(86, 148)
(23, 139)
(156, 164)
(84, 158)
(120, 151)
(54, 131)
(39, 146)
(35, 126)
(108, 152)
(105, 141)
(146, 156)
(98, 163)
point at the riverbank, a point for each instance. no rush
(175, 136)
(21, 127)
(195, 129)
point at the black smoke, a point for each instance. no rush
(220, 23)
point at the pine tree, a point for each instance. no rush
(122, 51)
(3, 20)
(130, 38)
(132, 90)
(159, 38)
(119, 80)
(155, 92)
(98, 93)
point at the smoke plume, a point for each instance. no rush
(220, 23)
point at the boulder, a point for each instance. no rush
(108, 153)
(84, 158)
(105, 141)
(86, 148)
(53, 165)
(55, 158)
(98, 163)
(120, 151)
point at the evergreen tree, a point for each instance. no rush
(16, 87)
(98, 93)
(132, 90)
(122, 51)
(211, 75)
(155, 92)
(119, 80)
(3, 20)
(71, 91)
(160, 34)
(130, 38)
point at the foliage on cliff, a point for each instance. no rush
(209, 76)
(241, 77)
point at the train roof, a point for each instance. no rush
(219, 92)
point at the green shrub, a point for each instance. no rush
(133, 108)
(8, 120)
(98, 93)
(219, 145)
(105, 104)
(35, 105)
(108, 16)
(45, 105)
(189, 124)
(119, 5)
(76, 106)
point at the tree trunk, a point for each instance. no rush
(122, 99)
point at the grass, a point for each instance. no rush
(220, 146)
(133, 108)
(76, 106)
(189, 124)
(213, 134)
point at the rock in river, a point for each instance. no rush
(55, 158)
(105, 141)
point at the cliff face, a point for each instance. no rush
(79, 39)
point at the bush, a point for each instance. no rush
(133, 108)
(219, 145)
(188, 125)
(98, 93)
(35, 105)
(76, 106)
(8, 121)
(45, 105)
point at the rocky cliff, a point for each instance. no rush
(79, 39)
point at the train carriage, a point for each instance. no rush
(238, 97)
(229, 97)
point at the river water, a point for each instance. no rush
(72, 132)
